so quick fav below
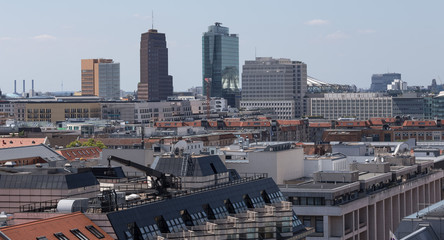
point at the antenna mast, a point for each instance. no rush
(152, 19)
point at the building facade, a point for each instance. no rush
(100, 77)
(155, 83)
(278, 84)
(351, 105)
(380, 81)
(220, 63)
(51, 111)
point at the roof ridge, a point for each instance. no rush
(45, 220)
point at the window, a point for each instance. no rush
(60, 236)
(41, 238)
(95, 232)
(78, 234)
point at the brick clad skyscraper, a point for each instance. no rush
(155, 83)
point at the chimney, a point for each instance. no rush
(15, 86)
(32, 89)
(24, 86)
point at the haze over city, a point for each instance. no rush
(342, 42)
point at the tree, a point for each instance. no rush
(90, 143)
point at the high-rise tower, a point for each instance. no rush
(155, 83)
(220, 63)
(101, 77)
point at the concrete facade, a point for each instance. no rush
(278, 84)
(281, 165)
(352, 105)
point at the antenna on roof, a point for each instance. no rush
(255, 56)
(152, 19)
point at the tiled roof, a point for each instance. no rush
(82, 153)
(352, 123)
(20, 142)
(319, 124)
(424, 123)
(69, 225)
(289, 122)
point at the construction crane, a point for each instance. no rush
(162, 181)
(208, 81)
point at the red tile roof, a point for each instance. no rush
(20, 142)
(424, 123)
(48, 227)
(289, 122)
(82, 153)
(352, 123)
(319, 124)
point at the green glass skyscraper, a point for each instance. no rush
(220, 64)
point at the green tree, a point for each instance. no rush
(90, 143)
(73, 144)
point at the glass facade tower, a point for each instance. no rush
(220, 64)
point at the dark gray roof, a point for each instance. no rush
(198, 166)
(144, 215)
(30, 151)
(47, 181)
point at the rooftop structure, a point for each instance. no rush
(423, 224)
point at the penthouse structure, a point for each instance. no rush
(277, 84)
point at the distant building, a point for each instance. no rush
(278, 84)
(380, 81)
(155, 83)
(397, 85)
(101, 77)
(220, 63)
(355, 105)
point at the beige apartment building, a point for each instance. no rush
(58, 111)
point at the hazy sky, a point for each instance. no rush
(341, 41)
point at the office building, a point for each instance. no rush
(380, 81)
(101, 77)
(368, 201)
(351, 105)
(220, 63)
(155, 83)
(277, 84)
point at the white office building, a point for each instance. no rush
(277, 84)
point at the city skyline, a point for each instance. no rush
(344, 46)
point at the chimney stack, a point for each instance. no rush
(32, 89)
(15, 86)
(24, 86)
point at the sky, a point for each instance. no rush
(342, 42)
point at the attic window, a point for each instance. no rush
(78, 234)
(95, 232)
(60, 236)
(41, 238)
